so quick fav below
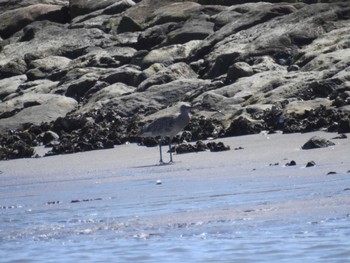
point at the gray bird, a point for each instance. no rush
(168, 126)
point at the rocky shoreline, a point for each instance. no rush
(79, 75)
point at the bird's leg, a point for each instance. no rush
(160, 149)
(171, 154)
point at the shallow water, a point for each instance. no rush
(128, 217)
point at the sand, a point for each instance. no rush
(234, 206)
(261, 162)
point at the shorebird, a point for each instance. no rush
(168, 126)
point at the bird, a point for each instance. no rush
(168, 126)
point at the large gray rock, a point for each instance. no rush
(175, 12)
(155, 35)
(128, 74)
(10, 85)
(155, 97)
(82, 7)
(14, 20)
(104, 97)
(6, 5)
(169, 54)
(43, 67)
(317, 142)
(175, 71)
(33, 108)
(192, 29)
(54, 40)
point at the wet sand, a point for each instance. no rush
(200, 193)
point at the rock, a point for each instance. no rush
(175, 12)
(43, 68)
(244, 126)
(14, 20)
(344, 125)
(9, 85)
(317, 142)
(175, 71)
(104, 96)
(239, 70)
(251, 66)
(227, 48)
(12, 68)
(121, 54)
(184, 148)
(82, 7)
(128, 74)
(201, 146)
(17, 150)
(291, 163)
(48, 137)
(15, 4)
(203, 129)
(35, 108)
(80, 87)
(42, 86)
(155, 35)
(127, 24)
(118, 7)
(54, 40)
(190, 148)
(217, 147)
(169, 54)
(192, 29)
(310, 164)
(341, 136)
(162, 96)
(331, 172)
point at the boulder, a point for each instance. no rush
(14, 67)
(155, 35)
(169, 54)
(9, 85)
(239, 70)
(155, 97)
(127, 24)
(175, 71)
(43, 68)
(14, 20)
(41, 86)
(118, 7)
(15, 4)
(129, 74)
(54, 40)
(35, 109)
(104, 97)
(317, 142)
(192, 29)
(82, 7)
(175, 12)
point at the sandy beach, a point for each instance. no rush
(124, 194)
